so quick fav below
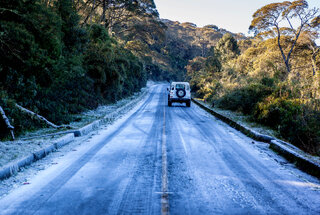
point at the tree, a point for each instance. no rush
(148, 30)
(213, 64)
(204, 74)
(212, 27)
(73, 36)
(268, 21)
(115, 12)
(50, 66)
(228, 47)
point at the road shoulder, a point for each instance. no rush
(304, 161)
(27, 150)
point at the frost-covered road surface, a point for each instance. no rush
(160, 160)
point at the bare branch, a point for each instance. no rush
(39, 117)
(7, 122)
(291, 25)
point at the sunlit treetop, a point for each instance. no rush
(276, 20)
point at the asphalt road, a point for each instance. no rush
(167, 160)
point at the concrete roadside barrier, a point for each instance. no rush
(87, 129)
(286, 150)
(247, 131)
(296, 156)
(39, 154)
(13, 168)
(62, 141)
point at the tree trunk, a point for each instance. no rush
(317, 84)
(110, 29)
(285, 59)
(104, 9)
(288, 66)
(6, 120)
(41, 118)
(92, 10)
(313, 59)
(315, 72)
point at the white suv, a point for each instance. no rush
(179, 92)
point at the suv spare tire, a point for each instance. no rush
(181, 93)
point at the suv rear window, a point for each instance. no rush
(180, 86)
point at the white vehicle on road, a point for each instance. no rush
(197, 164)
(179, 92)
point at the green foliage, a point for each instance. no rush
(73, 36)
(294, 121)
(276, 111)
(179, 54)
(228, 47)
(244, 99)
(54, 67)
(116, 71)
(256, 83)
(213, 62)
(29, 46)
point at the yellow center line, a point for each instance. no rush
(164, 188)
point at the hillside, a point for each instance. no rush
(184, 42)
(200, 38)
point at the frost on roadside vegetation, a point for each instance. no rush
(92, 115)
(15, 150)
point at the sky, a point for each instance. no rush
(232, 15)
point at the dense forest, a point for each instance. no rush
(59, 57)
(62, 57)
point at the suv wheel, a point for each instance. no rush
(181, 93)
